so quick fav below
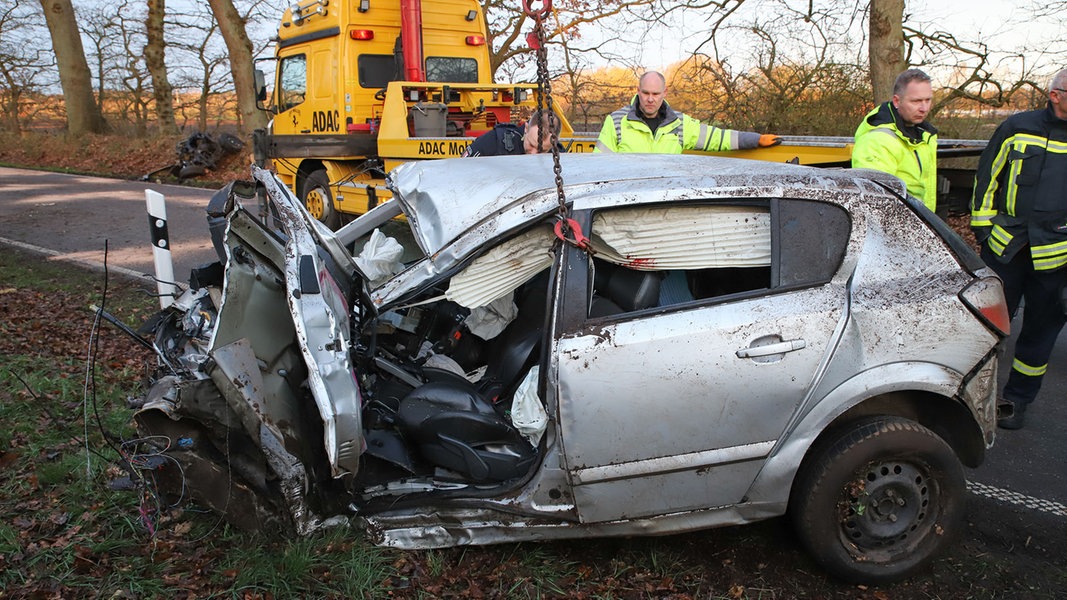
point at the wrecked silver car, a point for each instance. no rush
(677, 343)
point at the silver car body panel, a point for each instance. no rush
(320, 315)
(445, 202)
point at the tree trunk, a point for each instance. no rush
(232, 27)
(9, 112)
(154, 52)
(886, 46)
(83, 115)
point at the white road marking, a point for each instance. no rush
(63, 256)
(1003, 495)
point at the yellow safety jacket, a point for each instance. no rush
(1020, 189)
(625, 131)
(881, 145)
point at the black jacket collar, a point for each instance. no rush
(887, 113)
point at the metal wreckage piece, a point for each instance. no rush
(224, 415)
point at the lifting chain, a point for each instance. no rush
(567, 229)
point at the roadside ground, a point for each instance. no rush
(1008, 550)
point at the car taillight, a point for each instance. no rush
(985, 298)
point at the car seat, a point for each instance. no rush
(455, 424)
(617, 289)
(455, 427)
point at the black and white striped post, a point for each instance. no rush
(157, 222)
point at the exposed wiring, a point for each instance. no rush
(89, 385)
(141, 466)
(138, 462)
(176, 284)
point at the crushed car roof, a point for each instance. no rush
(445, 199)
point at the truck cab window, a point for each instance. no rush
(451, 70)
(292, 81)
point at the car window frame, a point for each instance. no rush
(577, 274)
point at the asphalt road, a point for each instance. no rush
(71, 217)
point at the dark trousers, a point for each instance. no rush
(1043, 318)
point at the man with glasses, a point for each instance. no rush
(1019, 215)
(896, 138)
(508, 138)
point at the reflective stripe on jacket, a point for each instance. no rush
(1020, 189)
(625, 131)
(881, 145)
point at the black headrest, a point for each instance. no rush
(632, 289)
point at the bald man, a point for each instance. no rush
(649, 124)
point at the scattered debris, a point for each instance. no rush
(198, 153)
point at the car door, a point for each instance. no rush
(674, 407)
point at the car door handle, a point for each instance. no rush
(769, 349)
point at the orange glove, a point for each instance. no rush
(769, 139)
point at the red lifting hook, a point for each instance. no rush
(579, 239)
(537, 14)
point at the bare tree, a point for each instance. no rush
(976, 71)
(781, 68)
(155, 58)
(22, 62)
(569, 23)
(210, 75)
(132, 76)
(83, 115)
(116, 39)
(232, 26)
(885, 46)
(198, 60)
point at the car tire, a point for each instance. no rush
(317, 198)
(231, 144)
(878, 500)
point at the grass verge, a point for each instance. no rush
(63, 531)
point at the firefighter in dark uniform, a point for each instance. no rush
(1019, 215)
(508, 138)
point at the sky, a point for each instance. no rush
(1002, 23)
(1006, 26)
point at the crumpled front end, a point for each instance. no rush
(230, 418)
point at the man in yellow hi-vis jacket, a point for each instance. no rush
(648, 124)
(1019, 216)
(896, 138)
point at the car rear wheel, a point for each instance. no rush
(316, 196)
(879, 500)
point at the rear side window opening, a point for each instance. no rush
(655, 256)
